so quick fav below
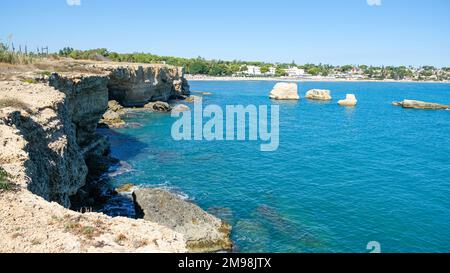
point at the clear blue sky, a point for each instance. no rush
(410, 32)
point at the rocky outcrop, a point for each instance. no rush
(202, 231)
(350, 100)
(158, 106)
(318, 94)
(86, 100)
(112, 117)
(415, 104)
(136, 85)
(49, 146)
(180, 108)
(285, 91)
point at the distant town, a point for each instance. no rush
(202, 68)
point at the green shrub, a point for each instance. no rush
(15, 103)
(46, 73)
(4, 183)
(30, 81)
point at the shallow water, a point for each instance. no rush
(342, 177)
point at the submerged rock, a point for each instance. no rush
(202, 231)
(318, 94)
(285, 91)
(158, 106)
(192, 99)
(350, 100)
(415, 104)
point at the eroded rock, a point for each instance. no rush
(350, 100)
(158, 106)
(202, 231)
(318, 94)
(285, 91)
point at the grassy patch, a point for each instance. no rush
(78, 229)
(46, 73)
(30, 81)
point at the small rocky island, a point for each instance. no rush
(50, 150)
(285, 91)
(415, 104)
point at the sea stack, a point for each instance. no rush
(318, 94)
(415, 104)
(285, 91)
(350, 100)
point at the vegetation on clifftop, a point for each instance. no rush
(4, 183)
(201, 66)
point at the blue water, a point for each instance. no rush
(342, 177)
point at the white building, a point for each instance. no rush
(272, 71)
(253, 70)
(294, 71)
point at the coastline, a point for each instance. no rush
(285, 79)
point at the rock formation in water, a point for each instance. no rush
(285, 91)
(202, 231)
(180, 108)
(158, 106)
(350, 100)
(415, 104)
(318, 94)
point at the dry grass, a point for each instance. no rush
(14, 103)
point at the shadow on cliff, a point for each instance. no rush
(55, 168)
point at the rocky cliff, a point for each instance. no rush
(47, 142)
(136, 85)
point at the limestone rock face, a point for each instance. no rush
(158, 106)
(43, 139)
(318, 94)
(203, 232)
(136, 85)
(414, 104)
(87, 101)
(285, 91)
(350, 100)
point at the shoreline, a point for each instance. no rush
(276, 79)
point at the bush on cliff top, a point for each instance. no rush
(4, 183)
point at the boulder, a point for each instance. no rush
(202, 231)
(158, 106)
(112, 120)
(350, 100)
(415, 104)
(285, 91)
(115, 106)
(180, 108)
(318, 94)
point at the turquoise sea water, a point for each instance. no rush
(342, 177)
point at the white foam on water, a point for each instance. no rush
(122, 168)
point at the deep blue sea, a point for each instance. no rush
(342, 177)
